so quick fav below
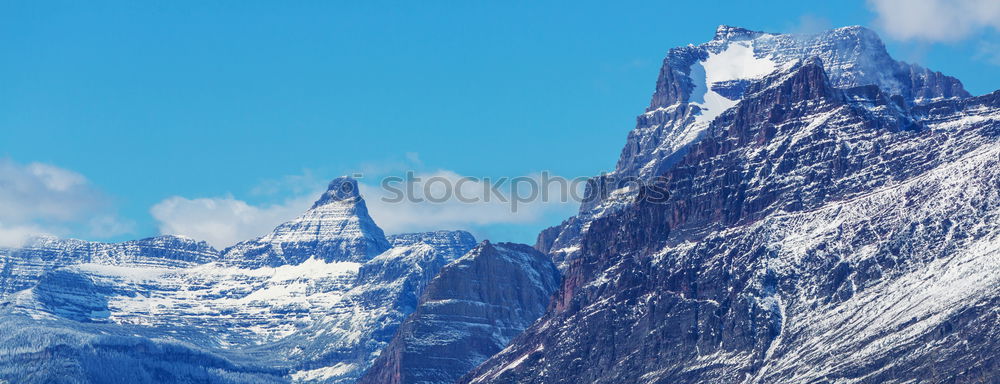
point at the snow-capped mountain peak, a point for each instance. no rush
(341, 189)
(836, 223)
(336, 228)
(831, 216)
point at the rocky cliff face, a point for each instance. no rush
(343, 343)
(21, 268)
(469, 312)
(818, 230)
(698, 83)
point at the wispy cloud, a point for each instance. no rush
(224, 221)
(471, 202)
(935, 20)
(38, 198)
(14, 234)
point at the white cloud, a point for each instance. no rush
(15, 235)
(223, 221)
(935, 20)
(40, 191)
(39, 198)
(470, 203)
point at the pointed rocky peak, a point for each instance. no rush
(336, 228)
(807, 80)
(698, 83)
(852, 56)
(341, 189)
(486, 246)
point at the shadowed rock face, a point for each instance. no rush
(468, 312)
(811, 233)
(852, 56)
(680, 112)
(344, 342)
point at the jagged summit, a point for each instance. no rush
(732, 32)
(728, 32)
(830, 218)
(336, 228)
(343, 188)
(852, 56)
(697, 84)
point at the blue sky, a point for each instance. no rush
(112, 109)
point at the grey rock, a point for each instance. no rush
(336, 228)
(469, 312)
(818, 231)
(21, 268)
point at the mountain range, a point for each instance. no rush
(788, 209)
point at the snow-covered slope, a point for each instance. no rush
(336, 228)
(341, 345)
(235, 305)
(697, 84)
(819, 230)
(309, 302)
(816, 212)
(65, 351)
(22, 267)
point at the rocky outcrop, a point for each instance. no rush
(698, 83)
(22, 267)
(336, 228)
(341, 345)
(812, 232)
(469, 312)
